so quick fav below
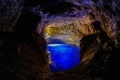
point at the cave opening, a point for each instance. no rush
(62, 46)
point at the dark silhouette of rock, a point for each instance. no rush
(22, 53)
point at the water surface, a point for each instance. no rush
(63, 56)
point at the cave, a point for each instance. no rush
(62, 46)
(36, 35)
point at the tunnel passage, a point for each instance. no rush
(62, 46)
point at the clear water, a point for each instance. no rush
(63, 56)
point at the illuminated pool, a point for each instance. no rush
(63, 56)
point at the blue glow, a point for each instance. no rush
(64, 56)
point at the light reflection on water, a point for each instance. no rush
(63, 56)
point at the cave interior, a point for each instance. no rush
(59, 39)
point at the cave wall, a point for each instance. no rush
(108, 14)
(22, 51)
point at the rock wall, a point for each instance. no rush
(22, 50)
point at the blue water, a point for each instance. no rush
(55, 41)
(63, 56)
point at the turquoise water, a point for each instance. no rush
(63, 56)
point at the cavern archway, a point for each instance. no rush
(62, 39)
(63, 35)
